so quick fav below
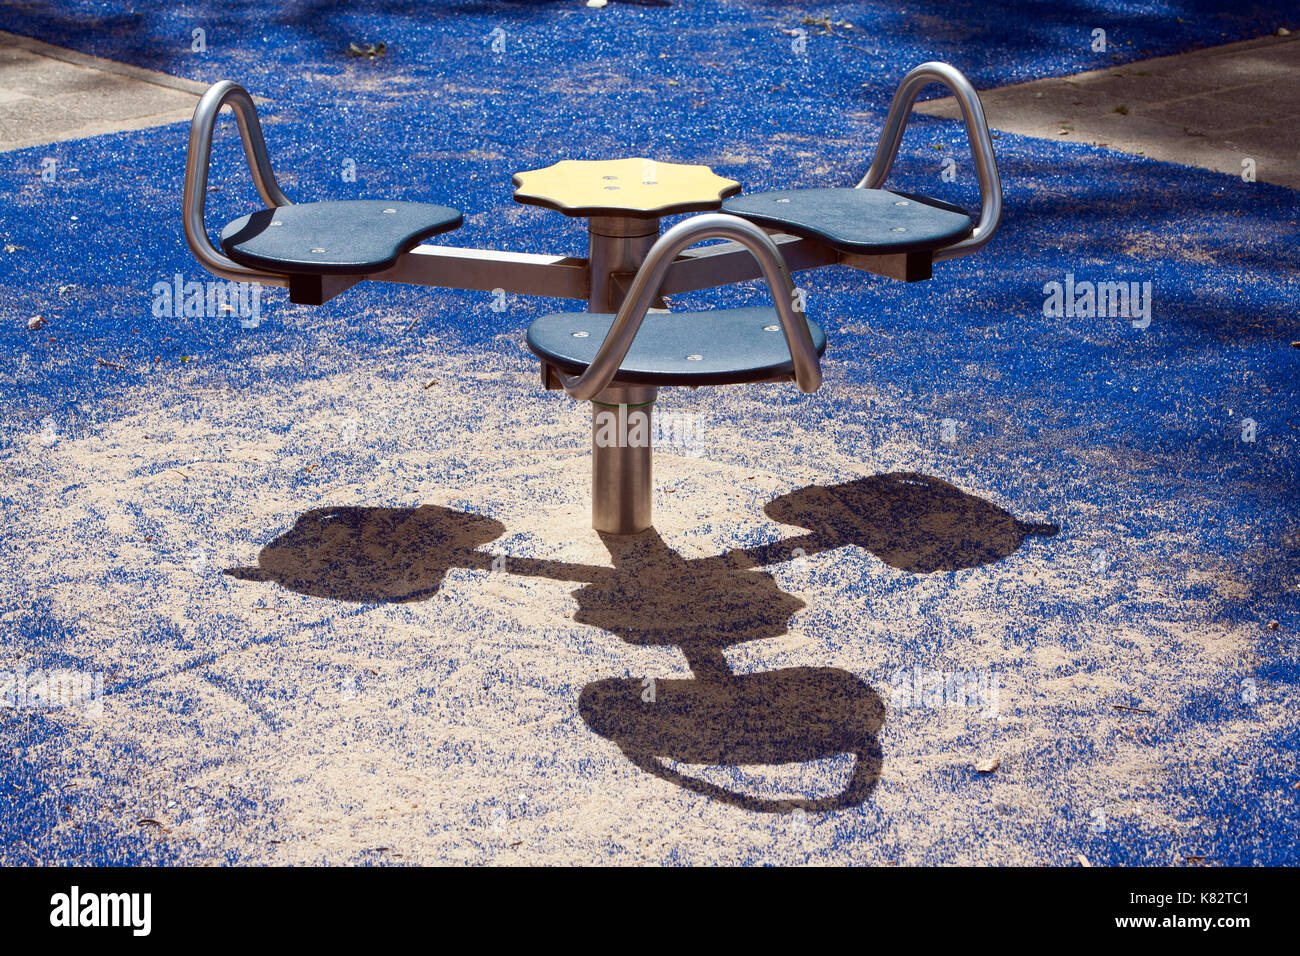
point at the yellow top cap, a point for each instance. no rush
(623, 187)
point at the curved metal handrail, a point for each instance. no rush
(977, 131)
(640, 296)
(196, 177)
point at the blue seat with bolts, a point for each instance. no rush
(333, 238)
(868, 220)
(592, 352)
(275, 245)
(862, 221)
(722, 347)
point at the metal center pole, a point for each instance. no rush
(621, 483)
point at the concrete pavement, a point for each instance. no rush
(1232, 109)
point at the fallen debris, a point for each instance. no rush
(370, 51)
(36, 322)
(988, 766)
(826, 24)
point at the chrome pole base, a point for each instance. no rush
(621, 482)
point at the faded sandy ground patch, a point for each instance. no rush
(255, 722)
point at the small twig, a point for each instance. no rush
(179, 472)
(104, 362)
(1136, 710)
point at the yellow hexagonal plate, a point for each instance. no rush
(643, 188)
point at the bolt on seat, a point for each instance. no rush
(347, 238)
(868, 220)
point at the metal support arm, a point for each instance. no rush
(977, 131)
(236, 97)
(645, 287)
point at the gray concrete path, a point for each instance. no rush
(49, 94)
(1215, 108)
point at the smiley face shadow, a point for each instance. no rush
(654, 596)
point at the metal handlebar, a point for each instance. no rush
(977, 131)
(644, 288)
(196, 177)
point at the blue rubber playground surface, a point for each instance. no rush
(334, 567)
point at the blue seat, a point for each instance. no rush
(868, 220)
(352, 237)
(720, 347)
(591, 353)
(861, 221)
(317, 249)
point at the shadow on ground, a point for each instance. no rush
(654, 596)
